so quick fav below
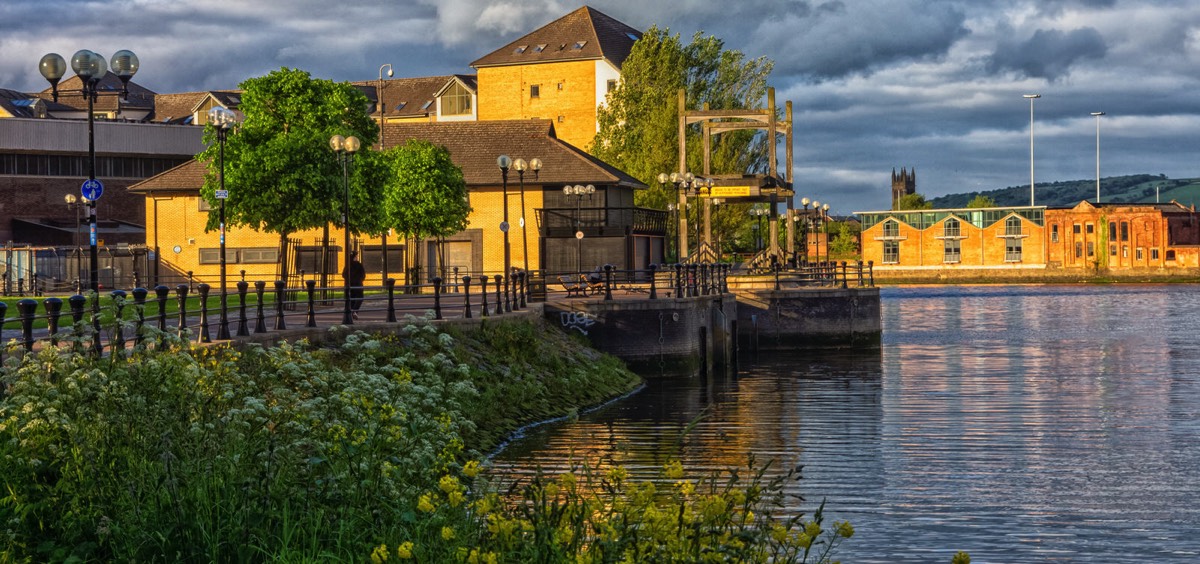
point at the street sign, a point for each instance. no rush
(222, 194)
(92, 189)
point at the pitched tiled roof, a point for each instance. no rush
(474, 146)
(17, 104)
(187, 177)
(410, 97)
(583, 34)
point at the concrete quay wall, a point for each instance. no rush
(789, 319)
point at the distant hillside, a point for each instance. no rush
(1135, 188)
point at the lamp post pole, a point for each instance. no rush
(825, 229)
(504, 162)
(344, 148)
(222, 120)
(1097, 116)
(1031, 98)
(807, 227)
(383, 239)
(521, 166)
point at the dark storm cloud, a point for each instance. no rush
(1049, 53)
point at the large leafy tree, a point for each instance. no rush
(638, 126)
(424, 193)
(981, 201)
(914, 201)
(281, 174)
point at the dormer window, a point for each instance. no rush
(456, 101)
(579, 45)
(520, 49)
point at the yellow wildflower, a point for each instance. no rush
(844, 529)
(471, 468)
(448, 484)
(673, 470)
(812, 529)
(447, 533)
(567, 480)
(405, 550)
(617, 474)
(425, 504)
(380, 554)
(456, 498)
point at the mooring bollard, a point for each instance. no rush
(523, 278)
(139, 301)
(204, 288)
(76, 304)
(243, 328)
(466, 280)
(181, 293)
(311, 286)
(280, 286)
(162, 293)
(27, 309)
(507, 291)
(390, 284)
(118, 338)
(483, 292)
(499, 303)
(53, 312)
(260, 291)
(437, 297)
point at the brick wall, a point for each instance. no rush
(567, 97)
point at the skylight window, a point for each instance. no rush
(520, 49)
(631, 36)
(401, 105)
(579, 45)
(539, 48)
(426, 105)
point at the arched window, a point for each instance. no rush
(951, 228)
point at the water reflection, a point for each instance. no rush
(1022, 424)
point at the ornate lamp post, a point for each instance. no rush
(381, 107)
(807, 226)
(758, 214)
(222, 120)
(344, 148)
(579, 191)
(521, 166)
(817, 230)
(504, 162)
(91, 68)
(825, 229)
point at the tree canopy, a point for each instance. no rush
(914, 201)
(425, 194)
(638, 126)
(981, 201)
(281, 175)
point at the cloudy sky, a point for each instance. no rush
(876, 84)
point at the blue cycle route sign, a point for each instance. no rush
(92, 189)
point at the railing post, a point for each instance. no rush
(678, 280)
(27, 309)
(775, 267)
(725, 277)
(437, 297)
(181, 293)
(76, 303)
(280, 288)
(311, 286)
(693, 280)
(53, 312)
(524, 285)
(161, 292)
(260, 290)
(118, 339)
(97, 345)
(139, 301)
(499, 304)
(859, 266)
(845, 282)
(466, 281)
(507, 291)
(390, 284)
(871, 272)
(483, 292)
(204, 288)
(608, 272)
(243, 328)
(3, 311)
(653, 281)
(704, 279)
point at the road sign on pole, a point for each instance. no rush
(92, 189)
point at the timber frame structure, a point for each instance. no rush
(739, 188)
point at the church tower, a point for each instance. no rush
(903, 184)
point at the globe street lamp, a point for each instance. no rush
(504, 162)
(1097, 116)
(807, 227)
(579, 191)
(344, 148)
(1031, 98)
(91, 68)
(222, 120)
(817, 230)
(825, 229)
(521, 166)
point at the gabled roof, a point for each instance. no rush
(474, 146)
(468, 81)
(18, 104)
(180, 107)
(580, 35)
(187, 177)
(410, 97)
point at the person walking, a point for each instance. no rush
(354, 274)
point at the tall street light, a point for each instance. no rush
(222, 120)
(521, 166)
(825, 229)
(91, 68)
(504, 162)
(579, 191)
(380, 106)
(1097, 116)
(1031, 98)
(344, 148)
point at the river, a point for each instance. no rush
(1017, 423)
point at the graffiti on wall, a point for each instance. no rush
(578, 320)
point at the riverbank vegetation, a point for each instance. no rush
(367, 447)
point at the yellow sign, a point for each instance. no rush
(729, 191)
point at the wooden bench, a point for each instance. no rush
(573, 287)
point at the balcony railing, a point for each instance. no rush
(599, 222)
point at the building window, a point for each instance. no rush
(1139, 253)
(1171, 255)
(951, 228)
(258, 255)
(520, 49)
(612, 84)
(953, 252)
(541, 47)
(1012, 227)
(1124, 230)
(891, 252)
(1075, 229)
(1154, 254)
(1124, 251)
(1112, 250)
(204, 205)
(535, 90)
(1078, 249)
(1091, 249)
(1012, 250)
(211, 256)
(1091, 229)
(891, 229)
(1054, 233)
(1112, 232)
(456, 101)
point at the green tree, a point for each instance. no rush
(638, 126)
(913, 201)
(424, 194)
(981, 201)
(281, 175)
(845, 243)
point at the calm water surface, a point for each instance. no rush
(1021, 424)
